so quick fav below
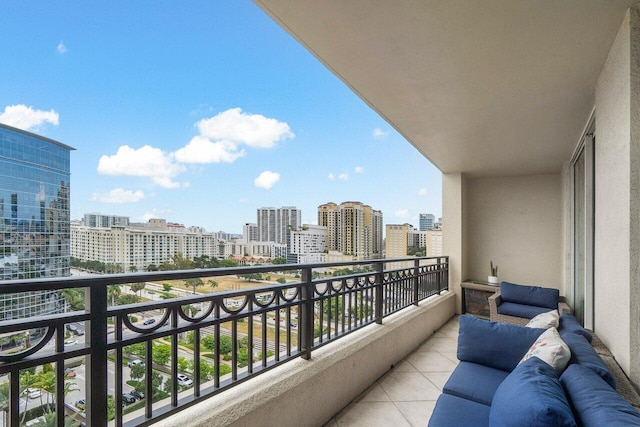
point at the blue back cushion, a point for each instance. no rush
(582, 353)
(521, 310)
(498, 345)
(594, 403)
(531, 396)
(529, 295)
(570, 325)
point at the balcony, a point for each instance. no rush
(314, 343)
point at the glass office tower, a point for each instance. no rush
(34, 218)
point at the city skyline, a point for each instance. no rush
(202, 126)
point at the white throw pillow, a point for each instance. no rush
(550, 348)
(550, 319)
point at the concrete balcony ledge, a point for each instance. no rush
(311, 392)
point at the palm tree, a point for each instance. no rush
(194, 283)
(113, 292)
(212, 284)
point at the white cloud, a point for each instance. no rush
(402, 213)
(422, 192)
(379, 133)
(202, 150)
(267, 179)
(26, 118)
(146, 161)
(62, 49)
(119, 195)
(342, 177)
(359, 169)
(155, 213)
(254, 130)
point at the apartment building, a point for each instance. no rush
(353, 228)
(274, 223)
(426, 221)
(135, 247)
(308, 245)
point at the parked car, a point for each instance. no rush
(70, 342)
(71, 327)
(137, 394)
(128, 399)
(184, 380)
(81, 403)
(69, 373)
(135, 362)
(33, 393)
(149, 322)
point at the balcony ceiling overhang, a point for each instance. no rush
(488, 88)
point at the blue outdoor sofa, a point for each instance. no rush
(489, 387)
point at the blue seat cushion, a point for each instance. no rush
(582, 353)
(531, 396)
(497, 345)
(570, 325)
(475, 382)
(521, 310)
(529, 295)
(453, 411)
(593, 402)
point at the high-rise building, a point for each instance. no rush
(274, 224)
(34, 232)
(426, 222)
(396, 240)
(308, 244)
(104, 221)
(250, 232)
(353, 229)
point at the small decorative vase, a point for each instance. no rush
(493, 280)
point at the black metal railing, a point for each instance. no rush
(180, 351)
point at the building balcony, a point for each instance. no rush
(272, 355)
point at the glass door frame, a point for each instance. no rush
(586, 147)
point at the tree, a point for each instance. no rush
(249, 277)
(212, 284)
(181, 262)
(152, 267)
(137, 371)
(282, 280)
(128, 299)
(228, 263)
(194, 283)
(113, 292)
(162, 354)
(75, 298)
(208, 342)
(167, 287)
(137, 287)
(279, 260)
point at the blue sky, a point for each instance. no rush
(199, 113)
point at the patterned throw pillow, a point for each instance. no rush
(550, 319)
(550, 348)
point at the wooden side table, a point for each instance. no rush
(474, 297)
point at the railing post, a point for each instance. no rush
(416, 280)
(379, 291)
(96, 362)
(305, 320)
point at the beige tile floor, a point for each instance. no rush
(405, 396)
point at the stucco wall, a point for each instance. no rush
(517, 223)
(616, 243)
(453, 230)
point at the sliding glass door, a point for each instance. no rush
(583, 230)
